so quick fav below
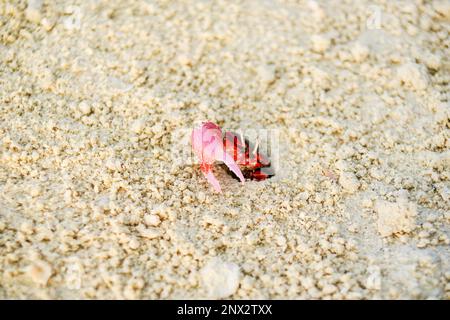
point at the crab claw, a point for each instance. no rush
(207, 143)
(231, 164)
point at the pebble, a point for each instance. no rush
(349, 182)
(138, 125)
(33, 11)
(221, 279)
(134, 243)
(149, 233)
(152, 220)
(39, 272)
(413, 75)
(320, 43)
(359, 52)
(85, 107)
(395, 217)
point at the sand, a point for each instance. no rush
(93, 204)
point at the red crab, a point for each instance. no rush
(254, 164)
(235, 151)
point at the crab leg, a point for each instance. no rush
(231, 164)
(207, 172)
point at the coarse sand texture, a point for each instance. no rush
(93, 94)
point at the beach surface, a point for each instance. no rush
(96, 98)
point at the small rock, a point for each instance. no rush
(220, 278)
(152, 220)
(349, 182)
(376, 173)
(134, 243)
(103, 203)
(149, 233)
(35, 190)
(47, 24)
(359, 52)
(395, 217)
(33, 11)
(201, 197)
(320, 43)
(307, 282)
(204, 106)
(137, 126)
(266, 74)
(413, 75)
(113, 164)
(40, 271)
(432, 61)
(26, 227)
(84, 107)
(329, 289)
